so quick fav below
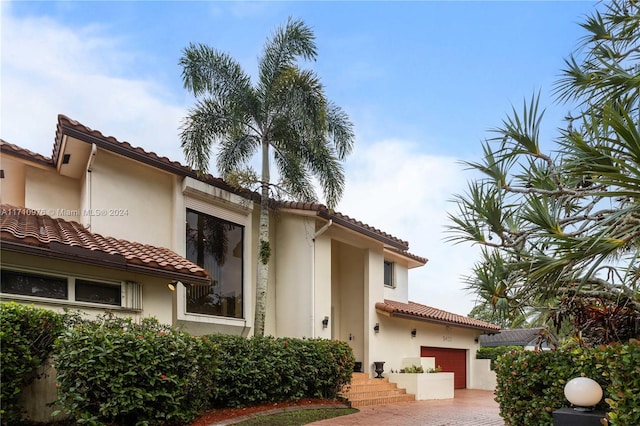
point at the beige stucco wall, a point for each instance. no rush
(52, 194)
(131, 200)
(400, 290)
(13, 183)
(293, 276)
(155, 294)
(397, 343)
(322, 286)
(348, 292)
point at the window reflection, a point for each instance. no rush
(217, 246)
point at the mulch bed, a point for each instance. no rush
(222, 414)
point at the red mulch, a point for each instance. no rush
(218, 415)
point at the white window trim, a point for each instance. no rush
(128, 289)
(393, 274)
(238, 213)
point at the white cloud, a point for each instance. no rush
(395, 188)
(48, 70)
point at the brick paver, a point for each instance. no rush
(469, 408)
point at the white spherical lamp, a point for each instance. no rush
(583, 392)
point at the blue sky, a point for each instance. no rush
(422, 82)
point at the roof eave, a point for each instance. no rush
(361, 230)
(393, 313)
(98, 258)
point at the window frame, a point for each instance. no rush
(130, 292)
(242, 284)
(391, 274)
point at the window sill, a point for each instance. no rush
(63, 303)
(212, 319)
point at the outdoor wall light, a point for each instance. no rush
(583, 392)
(173, 284)
(376, 328)
(351, 336)
(414, 332)
(325, 322)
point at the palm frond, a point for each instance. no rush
(206, 70)
(292, 41)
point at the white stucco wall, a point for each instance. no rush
(13, 184)
(293, 276)
(400, 290)
(396, 343)
(347, 299)
(52, 194)
(135, 201)
(155, 294)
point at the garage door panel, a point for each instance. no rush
(450, 360)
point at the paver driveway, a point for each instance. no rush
(468, 408)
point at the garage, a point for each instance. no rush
(451, 360)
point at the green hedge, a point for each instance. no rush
(266, 369)
(116, 371)
(531, 384)
(26, 339)
(493, 353)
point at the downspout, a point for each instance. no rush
(89, 183)
(313, 276)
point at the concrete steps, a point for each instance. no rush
(365, 391)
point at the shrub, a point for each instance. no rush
(266, 369)
(493, 353)
(531, 384)
(27, 334)
(115, 371)
(414, 369)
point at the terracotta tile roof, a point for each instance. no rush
(395, 244)
(69, 127)
(416, 311)
(16, 151)
(30, 231)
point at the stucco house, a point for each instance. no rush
(104, 225)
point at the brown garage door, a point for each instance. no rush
(454, 360)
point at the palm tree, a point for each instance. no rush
(284, 116)
(561, 229)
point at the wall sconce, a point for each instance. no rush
(351, 336)
(173, 284)
(414, 332)
(325, 322)
(376, 328)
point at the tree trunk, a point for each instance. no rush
(264, 248)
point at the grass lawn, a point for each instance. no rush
(298, 417)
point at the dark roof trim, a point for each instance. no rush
(441, 322)
(360, 229)
(68, 127)
(25, 154)
(96, 258)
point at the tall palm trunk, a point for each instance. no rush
(264, 246)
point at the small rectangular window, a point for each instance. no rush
(33, 285)
(95, 292)
(388, 274)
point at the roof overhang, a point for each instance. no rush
(417, 312)
(96, 258)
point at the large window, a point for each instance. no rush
(90, 291)
(28, 285)
(34, 285)
(217, 246)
